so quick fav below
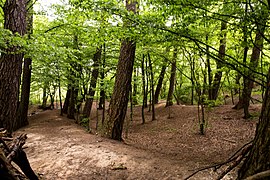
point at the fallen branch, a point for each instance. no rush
(260, 175)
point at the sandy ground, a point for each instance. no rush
(57, 148)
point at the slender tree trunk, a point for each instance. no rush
(152, 88)
(172, 80)
(134, 92)
(209, 69)
(120, 96)
(144, 84)
(240, 103)
(102, 98)
(93, 83)
(221, 55)
(258, 159)
(44, 96)
(160, 81)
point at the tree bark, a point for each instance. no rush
(172, 80)
(258, 159)
(89, 100)
(254, 61)
(22, 113)
(152, 87)
(66, 103)
(11, 64)
(120, 96)
(218, 75)
(144, 105)
(160, 81)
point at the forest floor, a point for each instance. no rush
(167, 148)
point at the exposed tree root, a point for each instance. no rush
(235, 160)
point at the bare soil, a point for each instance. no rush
(167, 148)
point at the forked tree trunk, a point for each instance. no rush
(92, 89)
(11, 64)
(120, 96)
(258, 159)
(172, 80)
(221, 54)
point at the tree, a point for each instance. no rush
(11, 63)
(221, 54)
(259, 155)
(93, 83)
(26, 79)
(120, 96)
(172, 79)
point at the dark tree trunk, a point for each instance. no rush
(209, 70)
(134, 92)
(102, 98)
(67, 99)
(172, 80)
(44, 96)
(92, 89)
(218, 75)
(144, 84)
(11, 64)
(26, 79)
(120, 96)
(254, 61)
(160, 81)
(72, 103)
(119, 101)
(258, 159)
(152, 87)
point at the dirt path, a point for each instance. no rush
(164, 149)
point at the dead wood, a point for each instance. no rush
(14, 152)
(260, 175)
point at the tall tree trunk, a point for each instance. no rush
(160, 81)
(120, 96)
(11, 64)
(26, 79)
(209, 69)
(258, 159)
(92, 89)
(221, 55)
(152, 87)
(102, 98)
(240, 103)
(254, 61)
(144, 105)
(172, 79)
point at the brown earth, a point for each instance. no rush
(57, 148)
